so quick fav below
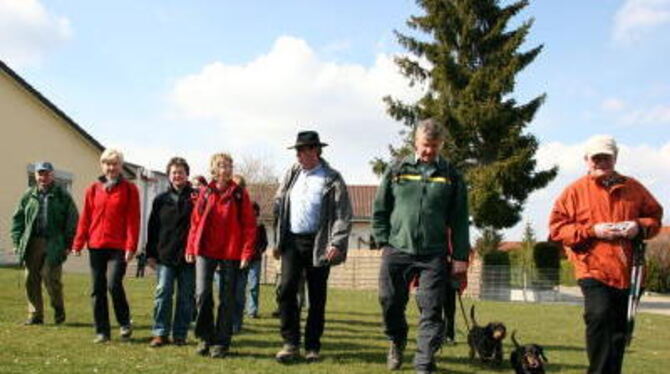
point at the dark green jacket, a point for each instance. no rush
(61, 223)
(414, 210)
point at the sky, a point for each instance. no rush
(158, 78)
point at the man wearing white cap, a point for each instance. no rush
(597, 219)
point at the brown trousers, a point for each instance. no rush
(38, 271)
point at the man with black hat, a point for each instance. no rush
(313, 221)
(43, 228)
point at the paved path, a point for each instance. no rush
(650, 302)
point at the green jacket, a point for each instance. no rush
(61, 223)
(415, 206)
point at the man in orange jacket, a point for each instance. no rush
(597, 218)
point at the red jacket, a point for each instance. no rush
(223, 224)
(585, 203)
(109, 219)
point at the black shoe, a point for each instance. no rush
(101, 339)
(33, 321)
(203, 349)
(59, 319)
(394, 357)
(288, 353)
(218, 351)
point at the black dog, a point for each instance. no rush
(486, 341)
(527, 359)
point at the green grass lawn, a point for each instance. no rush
(353, 341)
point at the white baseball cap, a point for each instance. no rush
(601, 144)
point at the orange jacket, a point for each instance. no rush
(587, 202)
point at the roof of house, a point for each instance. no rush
(509, 246)
(46, 102)
(361, 197)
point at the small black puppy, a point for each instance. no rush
(527, 359)
(486, 341)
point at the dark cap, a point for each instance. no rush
(43, 165)
(307, 138)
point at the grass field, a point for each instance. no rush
(353, 341)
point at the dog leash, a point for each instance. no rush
(465, 318)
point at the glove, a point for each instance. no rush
(628, 229)
(606, 231)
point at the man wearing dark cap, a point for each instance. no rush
(43, 227)
(313, 221)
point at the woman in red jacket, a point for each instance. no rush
(109, 227)
(221, 238)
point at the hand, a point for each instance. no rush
(606, 230)
(76, 252)
(459, 267)
(333, 253)
(628, 229)
(244, 264)
(190, 259)
(151, 262)
(129, 256)
(275, 253)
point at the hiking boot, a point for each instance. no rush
(312, 356)
(33, 321)
(158, 341)
(218, 351)
(289, 352)
(125, 332)
(394, 357)
(179, 341)
(59, 317)
(100, 339)
(203, 349)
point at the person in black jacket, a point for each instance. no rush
(254, 276)
(166, 242)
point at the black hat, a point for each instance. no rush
(307, 138)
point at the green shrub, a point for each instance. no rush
(658, 264)
(567, 273)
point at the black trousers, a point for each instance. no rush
(296, 259)
(449, 308)
(395, 273)
(108, 266)
(605, 310)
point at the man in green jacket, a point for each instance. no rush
(43, 227)
(420, 210)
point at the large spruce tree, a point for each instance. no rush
(468, 57)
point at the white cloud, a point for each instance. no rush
(636, 18)
(613, 105)
(27, 31)
(649, 165)
(654, 116)
(260, 105)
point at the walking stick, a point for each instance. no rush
(639, 247)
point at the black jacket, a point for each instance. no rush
(169, 225)
(261, 242)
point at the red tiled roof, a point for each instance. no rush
(361, 197)
(509, 246)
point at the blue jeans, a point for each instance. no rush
(239, 294)
(210, 331)
(166, 276)
(253, 287)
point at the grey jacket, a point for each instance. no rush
(335, 224)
